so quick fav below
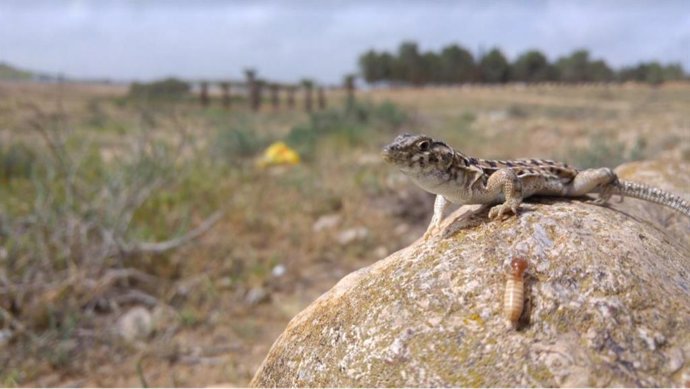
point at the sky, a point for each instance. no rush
(296, 39)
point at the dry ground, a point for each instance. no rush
(222, 300)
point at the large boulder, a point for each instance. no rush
(607, 304)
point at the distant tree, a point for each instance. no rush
(628, 73)
(386, 64)
(376, 67)
(599, 71)
(494, 67)
(370, 67)
(457, 65)
(653, 73)
(579, 68)
(673, 72)
(431, 68)
(411, 62)
(532, 66)
(574, 68)
(454, 64)
(649, 72)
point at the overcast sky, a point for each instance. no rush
(290, 40)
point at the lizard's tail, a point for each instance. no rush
(655, 195)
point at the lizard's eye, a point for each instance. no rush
(423, 145)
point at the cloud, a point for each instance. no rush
(291, 40)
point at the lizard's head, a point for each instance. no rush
(414, 154)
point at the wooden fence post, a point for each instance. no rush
(275, 100)
(350, 90)
(225, 87)
(258, 85)
(203, 94)
(291, 89)
(308, 88)
(254, 90)
(321, 95)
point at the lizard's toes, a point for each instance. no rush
(603, 198)
(498, 211)
(431, 231)
(494, 211)
(598, 201)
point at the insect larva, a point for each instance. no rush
(513, 298)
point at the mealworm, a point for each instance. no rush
(513, 299)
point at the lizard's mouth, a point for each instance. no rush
(387, 154)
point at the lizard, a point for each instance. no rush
(455, 177)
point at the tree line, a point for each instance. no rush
(455, 65)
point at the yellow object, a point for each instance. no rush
(279, 154)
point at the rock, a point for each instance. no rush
(135, 324)
(278, 270)
(380, 252)
(163, 317)
(407, 202)
(668, 175)
(608, 304)
(353, 234)
(326, 222)
(401, 229)
(256, 296)
(495, 116)
(5, 337)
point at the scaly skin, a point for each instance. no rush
(454, 177)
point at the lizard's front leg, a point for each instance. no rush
(440, 205)
(507, 182)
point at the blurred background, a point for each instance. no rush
(179, 179)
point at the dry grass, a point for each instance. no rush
(208, 331)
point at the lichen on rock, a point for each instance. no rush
(608, 304)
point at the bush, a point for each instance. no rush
(606, 152)
(350, 126)
(237, 142)
(69, 234)
(17, 161)
(170, 88)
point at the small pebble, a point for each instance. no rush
(135, 324)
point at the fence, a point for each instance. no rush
(254, 90)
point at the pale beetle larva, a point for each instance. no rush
(513, 298)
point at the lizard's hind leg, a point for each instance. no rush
(600, 180)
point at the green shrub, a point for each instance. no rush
(17, 161)
(350, 126)
(237, 142)
(169, 88)
(390, 114)
(603, 151)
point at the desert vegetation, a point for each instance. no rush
(142, 244)
(456, 65)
